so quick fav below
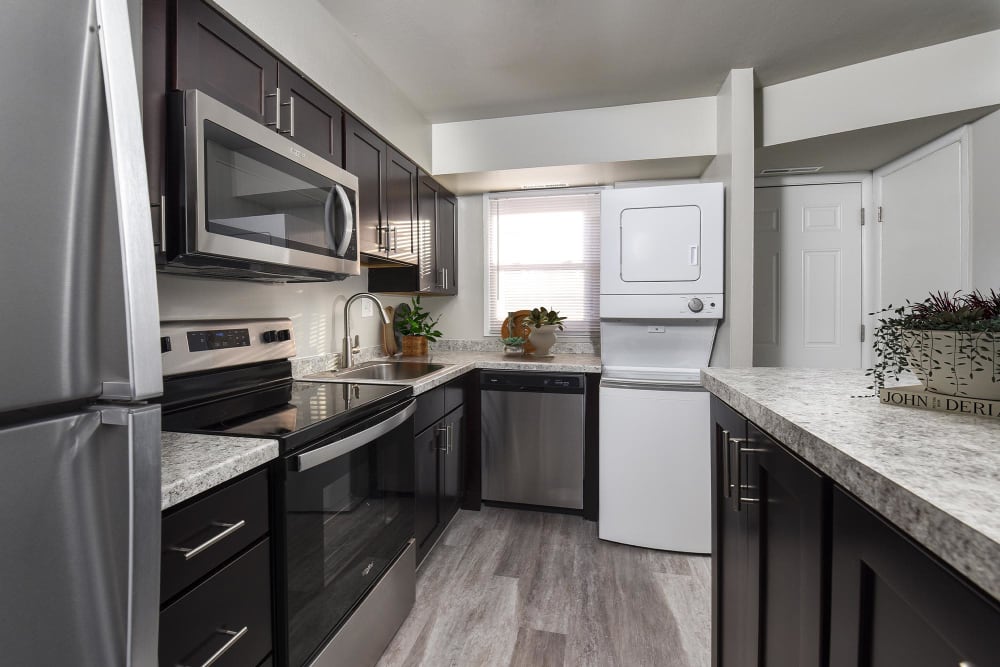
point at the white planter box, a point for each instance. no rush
(955, 363)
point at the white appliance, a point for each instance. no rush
(661, 300)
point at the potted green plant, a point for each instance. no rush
(949, 341)
(513, 345)
(543, 324)
(417, 328)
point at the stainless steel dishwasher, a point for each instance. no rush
(533, 436)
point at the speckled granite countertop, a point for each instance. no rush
(934, 475)
(193, 463)
(460, 363)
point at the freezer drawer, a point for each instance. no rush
(79, 566)
(533, 447)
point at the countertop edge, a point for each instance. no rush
(943, 534)
(195, 450)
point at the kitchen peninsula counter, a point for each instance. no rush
(935, 476)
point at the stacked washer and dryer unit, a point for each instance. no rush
(661, 301)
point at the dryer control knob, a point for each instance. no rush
(696, 305)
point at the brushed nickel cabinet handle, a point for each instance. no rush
(291, 116)
(277, 109)
(727, 481)
(234, 636)
(230, 528)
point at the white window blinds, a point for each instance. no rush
(544, 250)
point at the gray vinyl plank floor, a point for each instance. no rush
(510, 587)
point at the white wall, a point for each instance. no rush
(733, 167)
(956, 75)
(308, 36)
(984, 193)
(316, 309)
(678, 128)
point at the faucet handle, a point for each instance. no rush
(356, 345)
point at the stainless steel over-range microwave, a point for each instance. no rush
(243, 201)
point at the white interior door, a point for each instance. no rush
(924, 226)
(808, 276)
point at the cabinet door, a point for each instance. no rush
(446, 249)
(425, 520)
(893, 604)
(365, 157)
(400, 197)
(783, 500)
(729, 546)
(426, 223)
(451, 465)
(216, 57)
(309, 117)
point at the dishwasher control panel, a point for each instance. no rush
(532, 381)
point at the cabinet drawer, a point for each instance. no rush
(205, 534)
(454, 393)
(226, 617)
(430, 408)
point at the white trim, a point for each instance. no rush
(870, 240)
(960, 136)
(486, 266)
(544, 192)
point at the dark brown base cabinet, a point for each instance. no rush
(770, 552)
(803, 575)
(893, 604)
(215, 580)
(439, 453)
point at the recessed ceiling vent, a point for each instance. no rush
(782, 171)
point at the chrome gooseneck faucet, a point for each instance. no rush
(353, 347)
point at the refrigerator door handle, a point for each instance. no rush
(143, 424)
(141, 312)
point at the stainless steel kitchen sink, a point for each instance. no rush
(388, 371)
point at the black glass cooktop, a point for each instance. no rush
(292, 412)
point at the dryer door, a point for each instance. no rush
(660, 244)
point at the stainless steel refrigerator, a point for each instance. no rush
(79, 450)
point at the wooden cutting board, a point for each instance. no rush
(389, 335)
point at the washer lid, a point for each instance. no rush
(654, 375)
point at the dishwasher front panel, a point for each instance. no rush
(533, 446)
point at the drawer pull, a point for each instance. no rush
(233, 638)
(230, 528)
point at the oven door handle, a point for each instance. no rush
(321, 455)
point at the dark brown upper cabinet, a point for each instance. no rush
(214, 56)
(401, 207)
(446, 243)
(308, 117)
(365, 157)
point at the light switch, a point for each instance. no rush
(366, 308)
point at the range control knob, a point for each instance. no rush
(269, 336)
(696, 305)
(284, 334)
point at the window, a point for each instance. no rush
(543, 249)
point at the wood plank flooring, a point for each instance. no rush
(510, 587)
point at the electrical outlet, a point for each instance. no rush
(656, 329)
(367, 308)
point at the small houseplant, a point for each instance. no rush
(543, 323)
(417, 328)
(949, 341)
(513, 344)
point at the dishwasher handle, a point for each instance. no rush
(547, 383)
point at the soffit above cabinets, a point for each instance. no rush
(865, 149)
(575, 175)
(471, 60)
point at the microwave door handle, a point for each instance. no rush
(345, 203)
(326, 453)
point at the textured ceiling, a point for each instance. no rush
(466, 59)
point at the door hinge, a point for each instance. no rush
(862, 333)
(862, 217)
(880, 214)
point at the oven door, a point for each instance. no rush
(252, 194)
(347, 515)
